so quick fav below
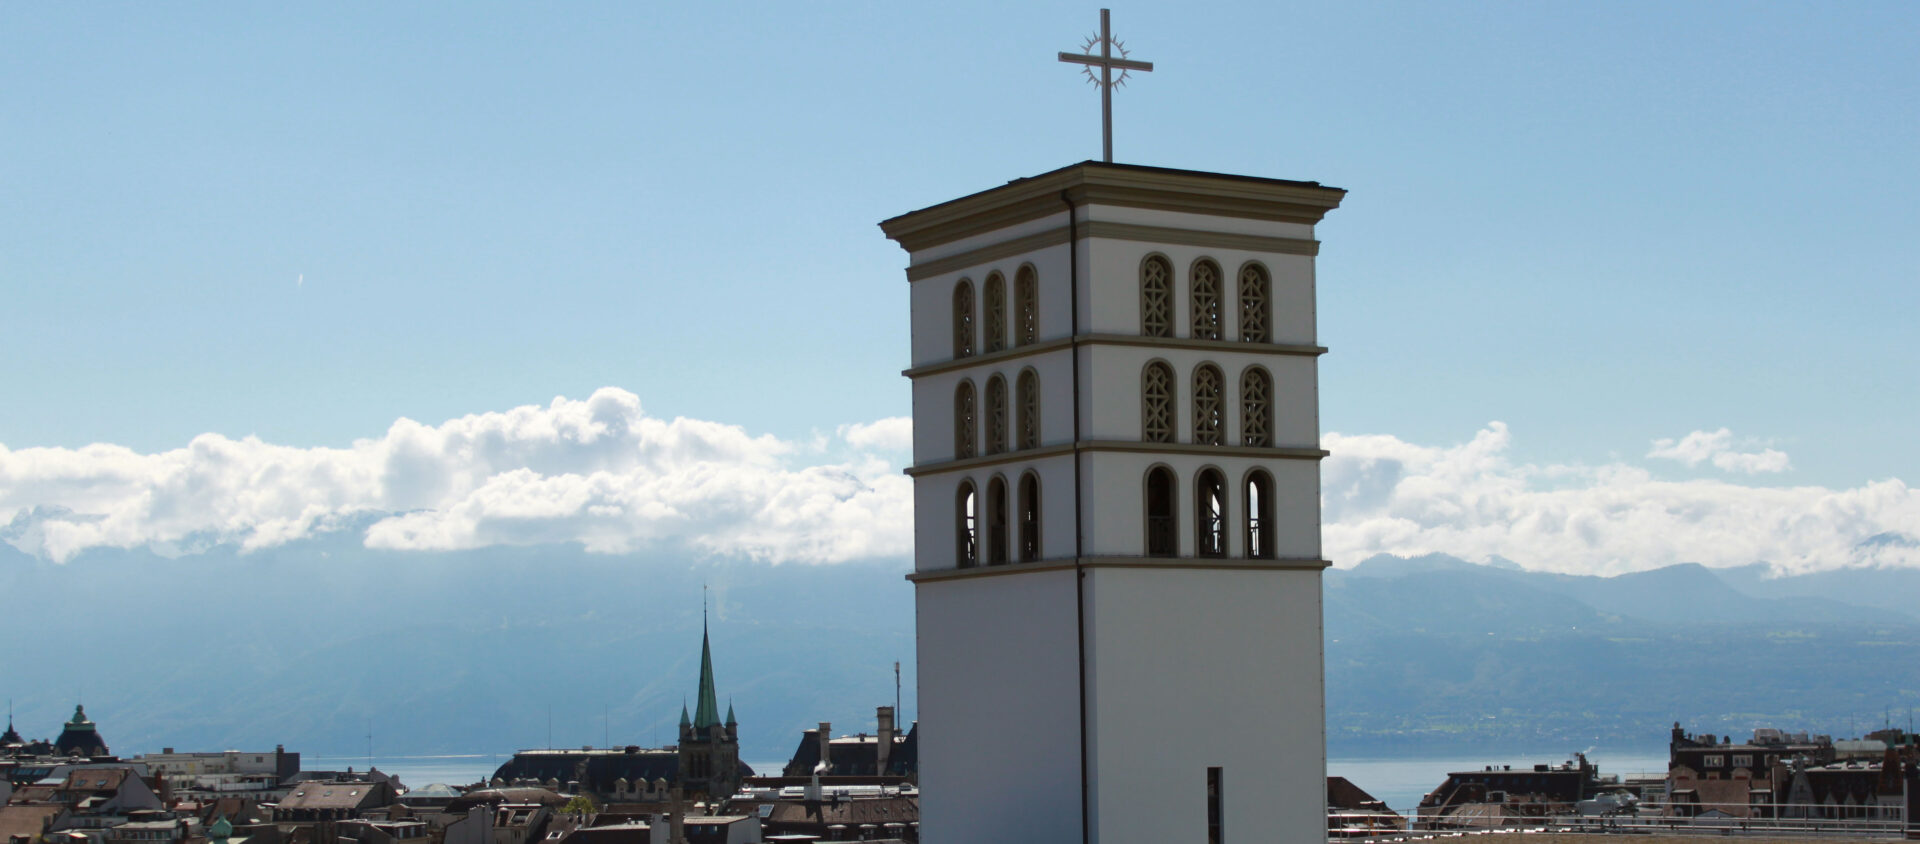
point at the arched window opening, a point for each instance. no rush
(1206, 405)
(1259, 515)
(967, 554)
(996, 312)
(1026, 306)
(996, 415)
(1206, 300)
(1027, 395)
(1255, 296)
(1162, 540)
(1256, 408)
(1210, 516)
(964, 421)
(1156, 390)
(1156, 297)
(997, 522)
(963, 319)
(1029, 517)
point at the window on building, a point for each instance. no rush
(1256, 407)
(1156, 297)
(996, 415)
(1716, 761)
(1029, 517)
(996, 521)
(963, 319)
(1213, 807)
(1162, 538)
(1210, 513)
(967, 554)
(1204, 287)
(1743, 761)
(965, 422)
(1156, 404)
(1027, 396)
(1259, 500)
(996, 292)
(1207, 412)
(1026, 306)
(1254, 303)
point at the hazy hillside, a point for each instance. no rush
(314, 644)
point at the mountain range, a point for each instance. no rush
(328, 647)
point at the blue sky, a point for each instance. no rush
(1601, 225)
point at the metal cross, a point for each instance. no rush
(1106, 61)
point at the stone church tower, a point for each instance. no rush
(1116, 497)
(709, 749)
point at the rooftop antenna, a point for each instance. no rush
(369, 744)
(899, 716)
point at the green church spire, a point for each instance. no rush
(707, 712)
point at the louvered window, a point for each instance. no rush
(1027, 391)
(1026, 307)
(1255, 303)
(996, 312)
(1157, 402)
(996, 415)
(963, 319)
(1206, 405)
(965, 422)
(1206, 300)
(1256, 408)
(1156, 297)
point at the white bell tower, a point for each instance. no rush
(1116, 508)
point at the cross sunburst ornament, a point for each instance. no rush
(1107, 62)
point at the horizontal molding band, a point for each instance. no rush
(1168, 563)
(987, 254)
(1113, 231)
(993, 460)
(1122, 185)
(1043, 347)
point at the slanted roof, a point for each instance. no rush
(330, 795)
(706, 713)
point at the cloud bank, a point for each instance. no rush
(1382, 494)
(1716, 447)
(602, 473)
(599, 472)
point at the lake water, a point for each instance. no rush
(1401, 782)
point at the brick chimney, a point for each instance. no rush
(826, 743)
(885, 750)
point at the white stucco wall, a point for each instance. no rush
(1199, 668)
(999, 699)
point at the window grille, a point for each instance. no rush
(964, 421)
(1026, 309)
(1029, 518)
(1157, 402)
(1210, 517)
(968, 552)
(996, 522)
(1028, 397)
(996, 293)
(996, 415)
(1206, 300)
(1161, 524)
(1255, 299)
(963, 319)
(1206, 405)
(1156, 297)
(1259, 516)
(1256, 408)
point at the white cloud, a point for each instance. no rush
(894, 433)
(602, 473)
(1717, 447)
(599, 472)
(1382, 494)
